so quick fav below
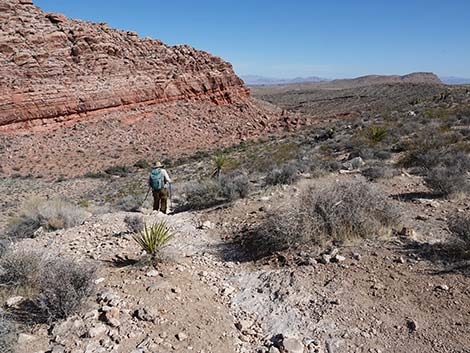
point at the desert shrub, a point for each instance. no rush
(286, 174)
(382, 154)
(63, 285)
(154, 238)
(450, 176)
(8, 335)
(209, 192)
(376, 172)
(334, 212)
(235, 187)
(129, 203)
(50, 214)
(201, 194)
(142, 164)
(4, 246)
(20, 267)
(459, 225)
(118, 170)
(134, 223)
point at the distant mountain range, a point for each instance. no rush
(452, 80)
(257, 80)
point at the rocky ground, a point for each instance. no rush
(397, 295)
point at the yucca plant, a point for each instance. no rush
(219, 161)
(154, 238)
(376, 134)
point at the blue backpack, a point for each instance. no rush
(157, 180)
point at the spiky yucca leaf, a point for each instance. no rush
(152, 239)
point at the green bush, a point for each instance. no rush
(50, 214)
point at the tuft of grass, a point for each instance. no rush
(154, 238)
(337, 212)
(50, 214)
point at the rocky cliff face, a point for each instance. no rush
(54, 69)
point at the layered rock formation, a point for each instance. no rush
(54, 69)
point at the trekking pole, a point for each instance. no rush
(171, 194)
(146, 195)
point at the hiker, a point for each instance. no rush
(159, 182)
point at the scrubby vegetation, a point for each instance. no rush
(134, 223)
(286, 174)
(459, 225)
(336, 212)
(62, 287)
(8, 334)
(55, 287)
(209, 192)
(20, 268)
(50, 215)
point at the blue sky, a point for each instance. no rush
(289, 38)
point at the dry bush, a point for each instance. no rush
(234, 187)
(459, 225)
(377, 171)
(8, 335)
(129, 203)
(332, 212)
(209, 192)
(56, 286)
(4, 246)
(451, 174)
(63, 285)
(134, 223)
(20, 267)
(201, 194)
(50, 214)
(286, 174)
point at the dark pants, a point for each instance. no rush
(160, 200)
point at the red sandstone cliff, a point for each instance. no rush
(52, 68)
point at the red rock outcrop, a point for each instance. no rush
(54, 69)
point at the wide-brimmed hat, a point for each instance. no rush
(158, 164)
